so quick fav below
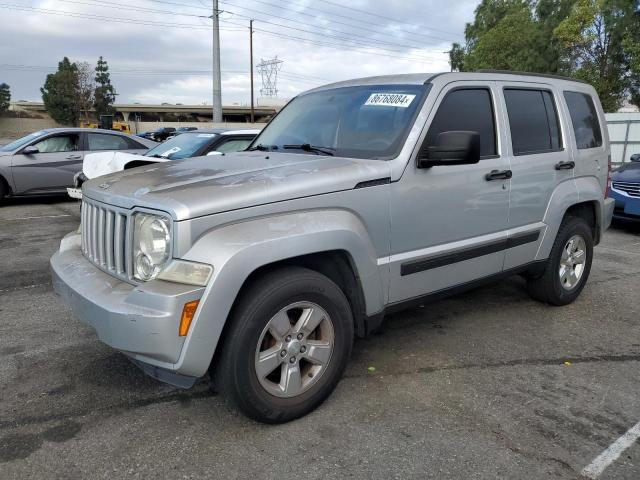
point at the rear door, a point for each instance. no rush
(52, 169)
(539, 162)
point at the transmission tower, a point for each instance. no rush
(268, 70)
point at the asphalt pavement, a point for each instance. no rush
(486, 385)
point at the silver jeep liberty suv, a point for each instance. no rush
(359, 198)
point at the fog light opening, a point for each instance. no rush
(188, 312)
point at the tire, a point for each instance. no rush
(3, 190)
(258, 332)
(552, 286)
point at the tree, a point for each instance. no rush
(456, 58)
(594, 35)
(59, 93)
(631, 44)
(510, 35)
(594, 40)
(86, 88)
(105, 94)
(5, 97)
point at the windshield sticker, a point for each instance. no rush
(390, 100)
(171, 151)
(206, 135)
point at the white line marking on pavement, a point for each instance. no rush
(40, 216)
(611, 454)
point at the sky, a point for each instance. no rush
(161, 50)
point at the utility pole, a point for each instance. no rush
(217, 83)
(251, 67)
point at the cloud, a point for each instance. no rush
(154, 60)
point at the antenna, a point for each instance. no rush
(269, 71)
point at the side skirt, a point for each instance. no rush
(374, 321)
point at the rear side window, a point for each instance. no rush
(533, 121)
(467, 109)
(100, 141)
(584, 118)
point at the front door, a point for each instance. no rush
(52, 168)
(449, 223)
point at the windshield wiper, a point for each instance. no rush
(263, 148)
(307, 147)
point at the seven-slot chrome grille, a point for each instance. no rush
(630, 188)
(105, 238)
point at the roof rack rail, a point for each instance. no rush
(532, 74)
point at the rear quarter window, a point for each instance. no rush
(584, 118)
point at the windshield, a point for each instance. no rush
(369, 121)
(184, 145)
(10, 147)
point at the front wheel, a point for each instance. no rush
(568, 266)
(290, 340)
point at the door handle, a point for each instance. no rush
(498, 175)
(565, 165)
(74, 157)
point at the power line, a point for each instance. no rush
(368, 38)
(143, 9)
(102, 17)
(358, 20)
(98, 3)
(336, 37)
(150, 72)
(385, 17)
(365, 49)
(338, 46)
(350, 35)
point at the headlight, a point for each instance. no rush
(151, 245)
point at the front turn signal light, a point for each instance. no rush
(188, 312)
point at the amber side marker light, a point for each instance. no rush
(188, 312)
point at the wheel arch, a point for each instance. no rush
(332, 242)
(5, 184)
(581, 197)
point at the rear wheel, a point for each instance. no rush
(290, 340)
(568, 266)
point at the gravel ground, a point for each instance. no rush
(486, 385)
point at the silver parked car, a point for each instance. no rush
(46, 161)
(358, 199)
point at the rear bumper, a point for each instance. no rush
(141, 321)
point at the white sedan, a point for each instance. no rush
(185, 145)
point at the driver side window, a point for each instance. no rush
(468, 109)
(60, 143)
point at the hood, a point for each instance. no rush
(629, 172)
(206, 185)
(102, 163)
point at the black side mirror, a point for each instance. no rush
(450, 148)
(635, 157)
(30, 150)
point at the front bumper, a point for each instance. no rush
(141, 321)
(626, 206)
